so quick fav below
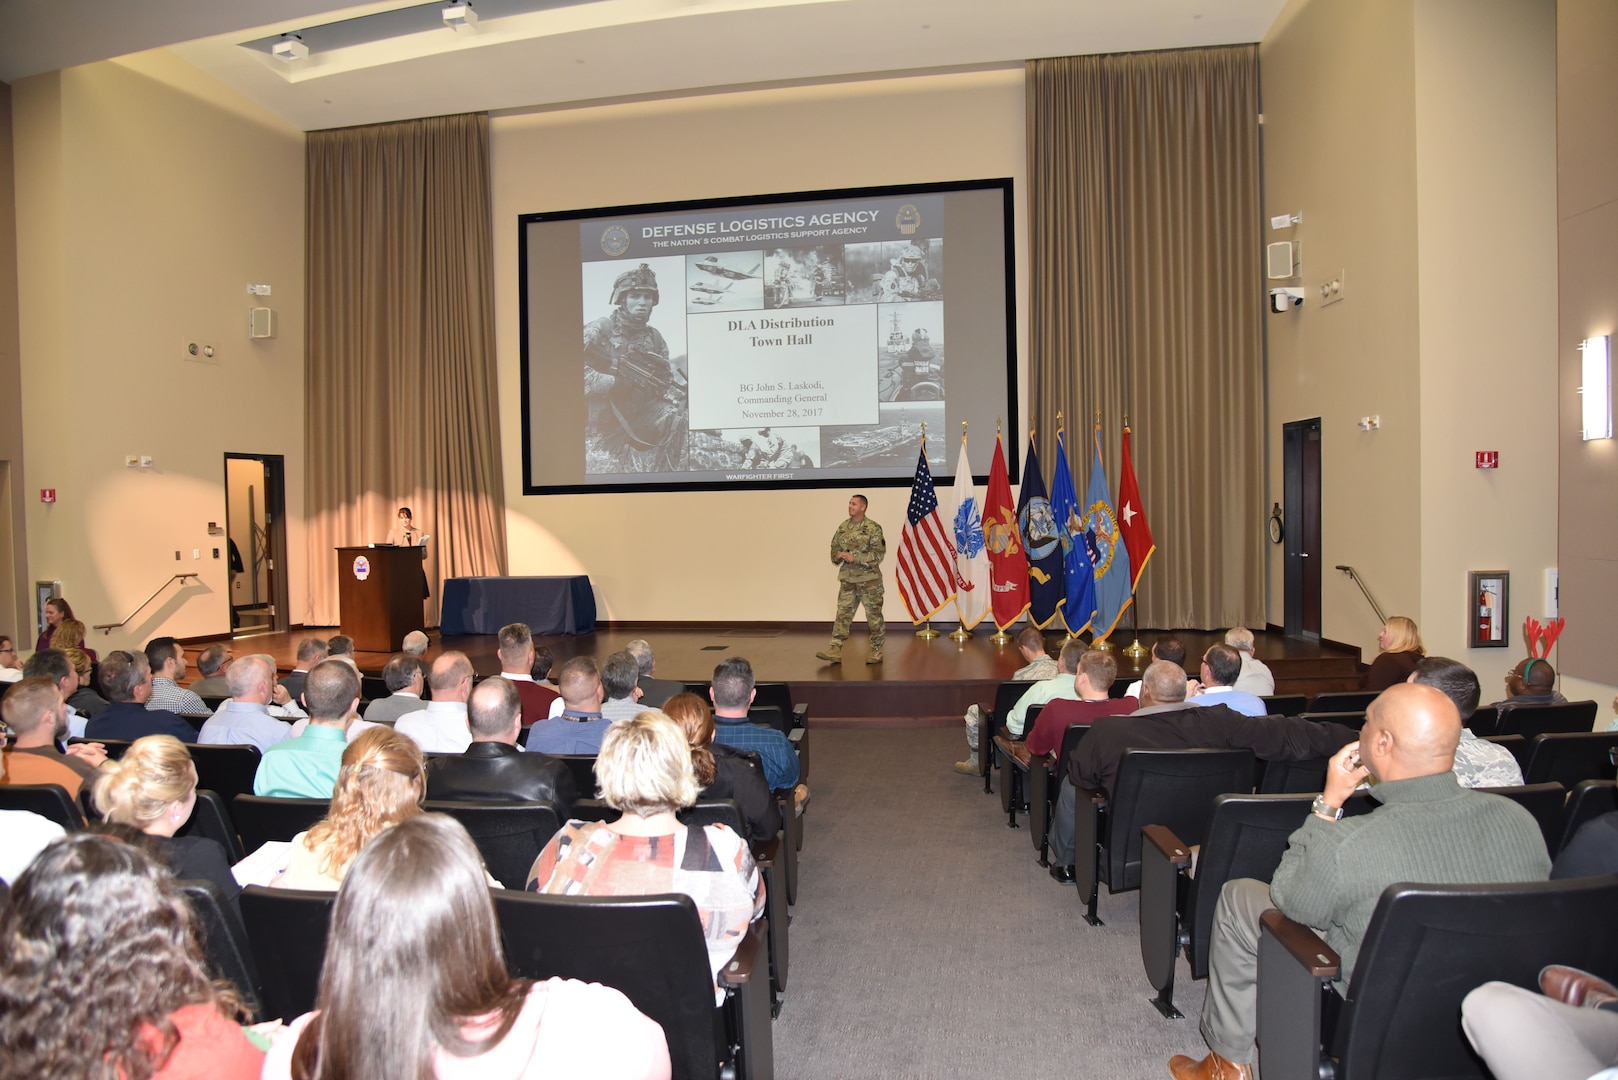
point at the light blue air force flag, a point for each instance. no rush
(1107, 551)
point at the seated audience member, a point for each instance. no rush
(1569, 1031)
(1168, 720)
(493, 769)
(1038, 665)
(166, 658)
(1255, 678)
(517, 666)
(578, 730)
(34, 712)
(126, 683)
(723, 771)
(415, 644)
(415, 947)
(1477, 763)
(153, 788)
(10, 666)
(441, 728)
(311, 651)
(1401, 649)
(645, 771)
(57, 609)
(305, 766)
(731, 693)
(1063, 686)
(102, 973)
(1428, 829)
(1168, 648)
(84, 701)
(341, 647)
(1531, 682)
(405, 678)
(620, 687)
(212, 663)
(1221, 667)
(54, 665)
(70, 635)
(244, 719)
(544, 665)
(381, 783)
(23, 833)
(653, 691)
(1097, 670)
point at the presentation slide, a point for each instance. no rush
(784, 340)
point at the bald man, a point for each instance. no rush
(1429, 829)
(441, 728)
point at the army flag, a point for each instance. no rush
(1078, 572)
(1107, 551)
(926, 556)
(1041, 537)
(1008, 565)
(971, 560)
(1132, 518)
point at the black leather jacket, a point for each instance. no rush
(499, 772)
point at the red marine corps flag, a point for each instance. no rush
(927, 576)
(1008, 562)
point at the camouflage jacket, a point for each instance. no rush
(864, 539)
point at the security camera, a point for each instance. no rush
(1284, 298)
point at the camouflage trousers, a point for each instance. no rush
(850, 595)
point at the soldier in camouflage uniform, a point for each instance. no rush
(635, 396)
(857, 548)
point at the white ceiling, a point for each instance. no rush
(599, 50)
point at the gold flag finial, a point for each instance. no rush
(997, 427)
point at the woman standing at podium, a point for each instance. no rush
(405, 534)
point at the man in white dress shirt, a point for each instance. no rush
(441, 727)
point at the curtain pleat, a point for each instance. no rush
(400, 385)
(1148, 300)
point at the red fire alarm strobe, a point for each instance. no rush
(1488, 459)
(47, 495)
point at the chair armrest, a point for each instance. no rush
(739, 970)
(800, 714)
(1295, 969)
(1167, 844)
(1164, 861)
(1304, 945)
(1095, 795)
(767, 852)
(796, 737)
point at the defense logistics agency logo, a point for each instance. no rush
(362, 567)
(908, 219)
(615, 240)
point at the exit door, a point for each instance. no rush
(1301, 485)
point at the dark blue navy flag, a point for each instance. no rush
(1042, 537)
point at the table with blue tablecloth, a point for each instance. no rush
(549, 605)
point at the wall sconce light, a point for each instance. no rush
(1597, 388)
(290, 49)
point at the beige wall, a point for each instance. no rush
(14, 609)
(147, 198)
(725, 555)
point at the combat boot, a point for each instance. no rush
(832, 654)
(875, 657)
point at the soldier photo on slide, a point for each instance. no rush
(634, 389)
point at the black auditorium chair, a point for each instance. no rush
(1514, 743)
(211, 818)
(1044, 785)
(1588, 800)
(260, 818)
(228, 770)
(1568, 757)
(779, 695)
(509, 836)
(115, 747)
(286, 930)
(1015, 786)
(1427, 946)
(1531, 720)
(1347, 718)
(1483, 721)
(1120, 686)
(214, 701)
(1005, 697)
(372, 688)
(225, 943)
(1173, 788)
(1546, 802)
(1344, 700)
(1286, 704)
(583, 768)
(1246, 836)
(767, 855)
(651, 949)
(47, 800)
(1292, 777)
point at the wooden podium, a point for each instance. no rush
(379, 595)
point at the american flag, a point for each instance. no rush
(927, 574)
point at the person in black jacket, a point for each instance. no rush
(725, 772)
(493, 769)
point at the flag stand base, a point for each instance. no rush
(1000, 637)
(1135, 651)
(961, 633)
(927, 633)
(1104, 645)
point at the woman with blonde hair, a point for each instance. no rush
(723, 771)
(69, 634)
(1401, 651)
(85, 701)
(381, 783)
(153, 788)
(645, 771)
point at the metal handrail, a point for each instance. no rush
(1351, 572)
(107, 628)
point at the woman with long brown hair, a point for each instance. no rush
(56, 610)
(414, 983)
(723, 771)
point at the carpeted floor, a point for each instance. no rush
(928, 942)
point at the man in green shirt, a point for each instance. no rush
(306, 766)
(857, 549)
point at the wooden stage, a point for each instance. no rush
(919, 684)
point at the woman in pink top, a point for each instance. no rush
(415, 983)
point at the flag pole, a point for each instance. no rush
(1136, 650)
(1099, 643)
(926, 633)
(961, 634)
(999, 637)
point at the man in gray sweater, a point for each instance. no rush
(1428, 829)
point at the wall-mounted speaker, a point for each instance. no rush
(261, 322)
(1281, 259)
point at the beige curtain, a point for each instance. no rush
(399, 382)
(1148, 299)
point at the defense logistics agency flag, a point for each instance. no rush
(1132, 518)
(1008, 565)
(1107, 551)
(926, 557)
(1078, 571)
(971, 560)
(1042, 538)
